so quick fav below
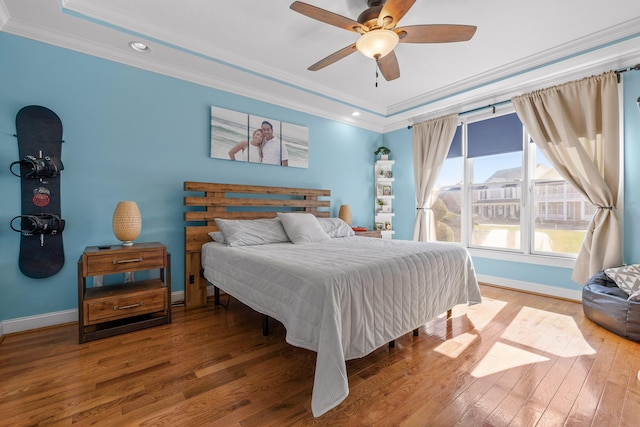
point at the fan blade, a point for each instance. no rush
(328, 17)
(389, 67)
(395, 10)
(333, 57)
(435, 33)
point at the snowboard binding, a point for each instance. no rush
(44, 223)
(32, 167)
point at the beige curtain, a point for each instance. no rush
(431, 142)
(576, 127)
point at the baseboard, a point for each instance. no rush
(534, 288)
(22, 324)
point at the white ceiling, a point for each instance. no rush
(262, 49)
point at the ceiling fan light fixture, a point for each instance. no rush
(377, 43)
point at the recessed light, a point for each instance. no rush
(355, 113)
(139, 47)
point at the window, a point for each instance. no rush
(562, 213)
(447, 195)
(497, 191)
(494, 157)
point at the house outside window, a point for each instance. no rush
(497, 191)
(562, 213)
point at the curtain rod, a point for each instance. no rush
(618, 73)
(473, 110)
(624, 70)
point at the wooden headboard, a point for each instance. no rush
(234, 201)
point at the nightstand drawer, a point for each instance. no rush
(121, 261)
(122, 301)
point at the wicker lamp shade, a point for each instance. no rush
(345, 214)
(126, 222)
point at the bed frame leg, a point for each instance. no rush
(216, 295)
(392, 343)
(265, 325)
(449, 313)
(416, 332)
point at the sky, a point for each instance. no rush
(483, 167)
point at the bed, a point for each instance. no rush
(342, 296)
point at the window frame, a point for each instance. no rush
(526, 253)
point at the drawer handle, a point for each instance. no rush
(127, 261)
(124, 307)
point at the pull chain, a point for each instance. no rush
(376, 65)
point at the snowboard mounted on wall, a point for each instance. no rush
(39, 133)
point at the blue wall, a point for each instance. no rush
(400, 142)
(631, 171)
(134, 135)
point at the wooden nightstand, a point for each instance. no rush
(369, 233)
(115, 309)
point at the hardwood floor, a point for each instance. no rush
(516, 359)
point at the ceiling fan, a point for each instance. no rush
(379, 35)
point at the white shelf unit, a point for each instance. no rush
(384, 194)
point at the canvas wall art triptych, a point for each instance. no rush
(243, 137)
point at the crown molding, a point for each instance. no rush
(206, 51)
(595, 41)
(613, 48)
(611, 57)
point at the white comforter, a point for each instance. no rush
(345, 297)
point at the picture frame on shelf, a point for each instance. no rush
(386, 190)
(379, 226)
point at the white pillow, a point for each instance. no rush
(217, 237)
(335, 227)
(627, 278)
(303, 227)
(250, 232)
